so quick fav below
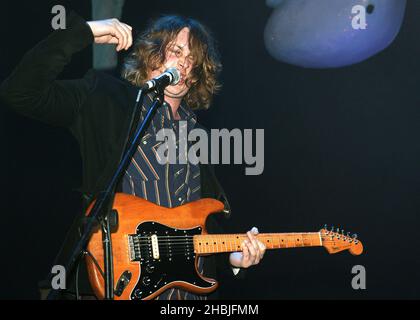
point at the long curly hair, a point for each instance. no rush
(149, 51)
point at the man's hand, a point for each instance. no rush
(112, 31)
(252, 251)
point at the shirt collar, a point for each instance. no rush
(185, 112)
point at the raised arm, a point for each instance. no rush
(32, 88)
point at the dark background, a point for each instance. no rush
(341, 147)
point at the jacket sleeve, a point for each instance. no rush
(32, 88)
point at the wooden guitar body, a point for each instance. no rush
(143, 268)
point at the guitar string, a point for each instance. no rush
(184, 245)
(188, 241)
(148, 239)
(183, 252)
(146, 242)
(230, 235)
(177, 241)
(177, 251)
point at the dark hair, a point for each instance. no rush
(149, 52)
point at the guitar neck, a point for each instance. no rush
(217, 243)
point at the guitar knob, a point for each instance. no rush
(138, 293)
(150, 268)
(146, 281)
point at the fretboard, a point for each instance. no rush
(216, 243)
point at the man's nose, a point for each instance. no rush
(183, 62)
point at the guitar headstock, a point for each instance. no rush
(335, 241)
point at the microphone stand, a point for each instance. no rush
(103, 204)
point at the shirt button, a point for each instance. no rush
(144, 142)
(179, 199)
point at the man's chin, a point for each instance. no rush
(175, 92)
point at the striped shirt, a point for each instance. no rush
(168, 185)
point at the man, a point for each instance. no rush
(97, 110)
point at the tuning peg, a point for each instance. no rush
(355, 239)
(348, 234)
(342, 232)
(338, 233)
(332, 229)
(325, 227)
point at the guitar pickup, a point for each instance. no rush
(155, 247)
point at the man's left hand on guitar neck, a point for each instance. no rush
(252, 252)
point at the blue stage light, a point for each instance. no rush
(331, 33)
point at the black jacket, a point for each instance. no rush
(96, 109)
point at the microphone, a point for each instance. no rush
(170, 77)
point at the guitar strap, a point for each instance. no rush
(211, 187)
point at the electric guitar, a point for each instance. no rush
(156, 248)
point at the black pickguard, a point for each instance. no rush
(176, 258)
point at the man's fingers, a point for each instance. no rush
(106, 39)
(115, 32)
(126, 27)
(252, 250)
(245, 251)
(124, 35)
(113, 40)
(107, 31)
(253, 240)
(127, 34)
(258, 246)
(257, 255)
(262, 248)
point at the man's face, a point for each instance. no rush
(178, 55)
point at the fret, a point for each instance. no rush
(237, 243)
(288, 242)
(306, 240)
(278, 246)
